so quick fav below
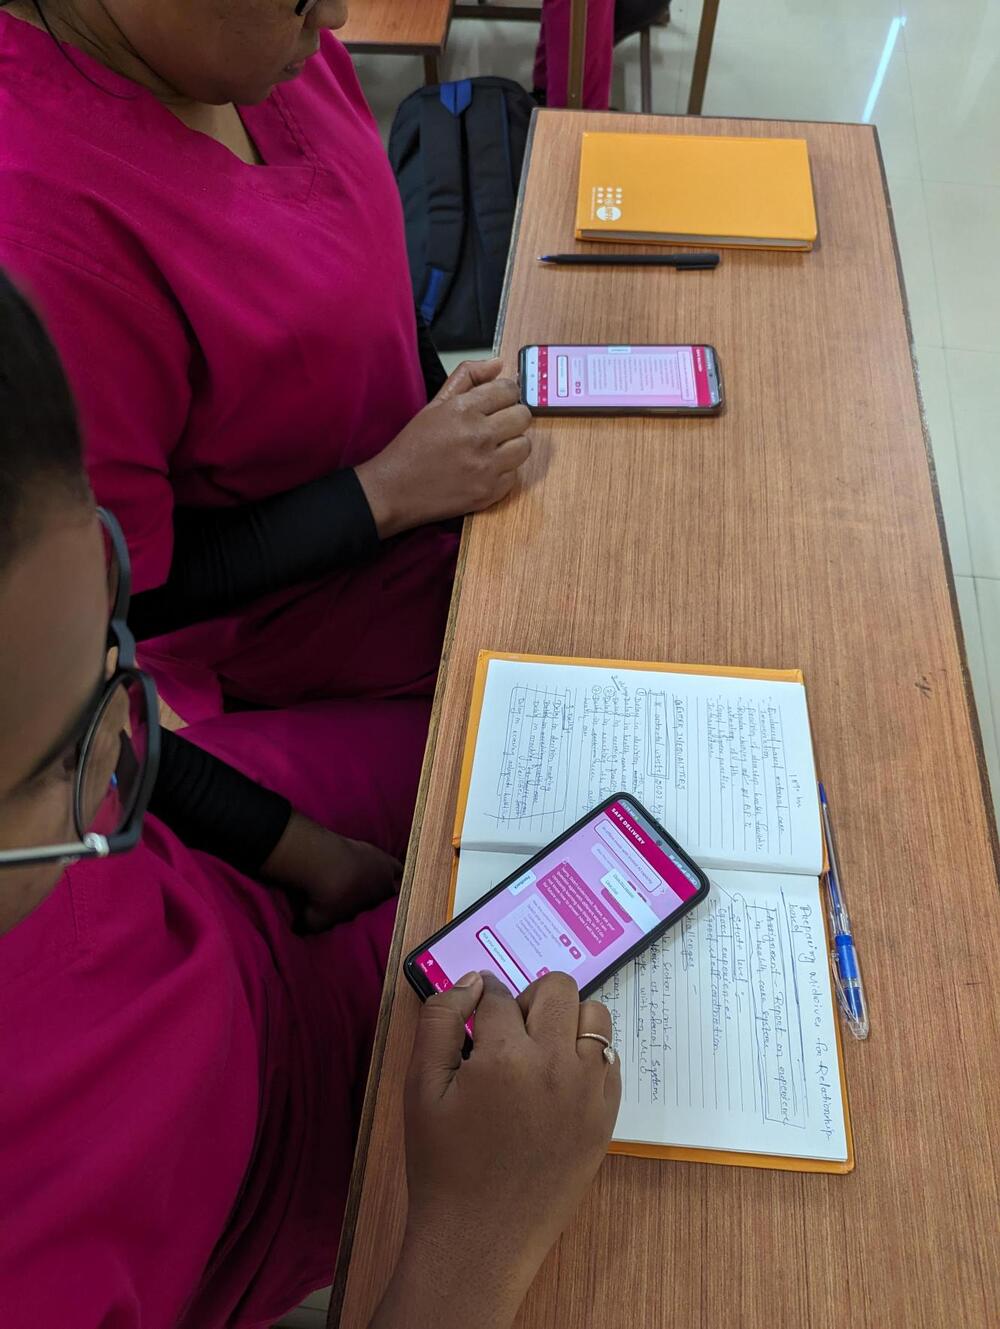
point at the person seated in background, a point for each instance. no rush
(196, 198)
(608, 23)
(182, 1073)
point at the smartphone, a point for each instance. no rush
(589, 902)
(621, 380)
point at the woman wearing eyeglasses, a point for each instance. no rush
(180, 1073)
(196, 198)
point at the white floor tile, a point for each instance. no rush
(913, 236)
(303, 1317)
(956, 98)
(964, 222)
(987, 594)
(775, 76)
(319, 1300)
(933, 380)
(931, 23)
(974, 385)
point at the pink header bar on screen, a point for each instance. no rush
(678, 881)
(701, 376)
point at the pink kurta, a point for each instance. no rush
(180, 1084)
(551, 73)
(230, 332)
(180, 1075)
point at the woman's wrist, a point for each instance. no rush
(378, 491)
(445, 1277)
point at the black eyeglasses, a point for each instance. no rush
(304, 7)
(117, 756)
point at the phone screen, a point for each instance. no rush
(620, 377)
(586, 903)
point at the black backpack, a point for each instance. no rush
(457, 151)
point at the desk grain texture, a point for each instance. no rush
(798, 529)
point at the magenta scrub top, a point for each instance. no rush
(180, 1083)
(181, 1075)
(230, 332)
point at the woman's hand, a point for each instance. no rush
(460, 454)
(500, 1148)
(329, 878)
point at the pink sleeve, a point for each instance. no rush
(127, 361)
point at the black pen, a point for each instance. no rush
(693, 260)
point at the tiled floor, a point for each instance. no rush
(936, 103)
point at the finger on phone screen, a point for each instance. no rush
(437, 1045)
(498, 1016)
(551, 1007)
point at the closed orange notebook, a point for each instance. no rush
(691, 189)
(729, 1156)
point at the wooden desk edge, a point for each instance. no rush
(356, 1186)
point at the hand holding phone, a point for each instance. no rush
(621, 380)
(501, 1147)
(460, 454)
(595, 897)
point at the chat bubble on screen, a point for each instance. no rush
(577, 906)
(644, 874)
(634, 905)
(538, 938)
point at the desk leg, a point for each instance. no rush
(702, 55)
(577, 53)
(432, 68)
(646, 71)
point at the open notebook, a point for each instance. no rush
(726, 1028)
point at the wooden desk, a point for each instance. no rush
(800, 528)
(400, 27)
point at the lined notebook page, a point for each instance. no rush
(725, 763)
(725, 1027)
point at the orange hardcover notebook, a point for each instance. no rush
(691, 189)
(726, 1027)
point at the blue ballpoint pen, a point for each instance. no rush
(844, 957)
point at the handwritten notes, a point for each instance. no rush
(725, 1026)
(726, 763)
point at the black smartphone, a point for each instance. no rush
(621, 380)
(589, 902)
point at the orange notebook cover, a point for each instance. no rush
(694, 189)
(641, 1149)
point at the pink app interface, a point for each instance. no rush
(576, 911)
(620, 376)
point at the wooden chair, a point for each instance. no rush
(529, 13)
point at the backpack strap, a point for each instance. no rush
(492, 187)
(441, 151)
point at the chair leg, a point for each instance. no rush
(432, 69)
(702, 56)
(646, 71)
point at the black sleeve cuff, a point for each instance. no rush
(211, 806)
(226, 557)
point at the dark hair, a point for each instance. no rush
(39, 436)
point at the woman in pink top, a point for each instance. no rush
(228, 289)
(180, 1074)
